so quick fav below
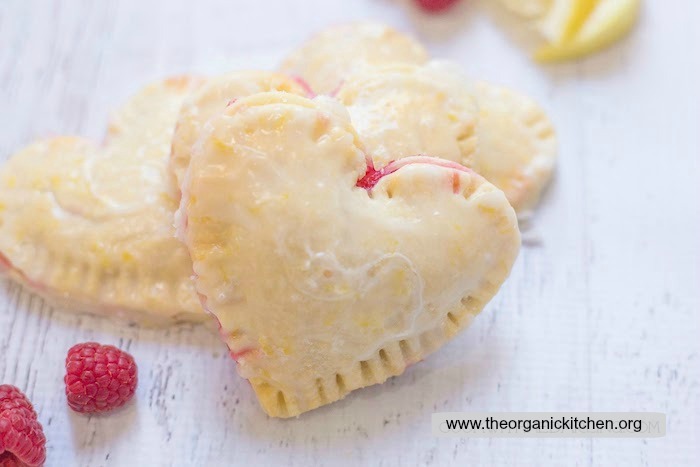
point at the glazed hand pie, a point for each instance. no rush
(92, 226)
(516, 145)
(405, 110)
(211, 99)
(325, 273)
(331, 55)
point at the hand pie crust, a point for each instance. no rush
(211, 99)
(91, 227)
(516, 145)
(326, 59)
(322, 286)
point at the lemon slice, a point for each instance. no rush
(608, 21)
(563, 19)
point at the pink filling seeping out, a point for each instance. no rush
(372, 175)
(307, 87)
(7, 266)
(234, 355)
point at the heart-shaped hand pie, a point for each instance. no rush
(211, 98)
(331, 55)
(325, 274)
(92, 227)
(404, 110)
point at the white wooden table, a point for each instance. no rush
(600, 313)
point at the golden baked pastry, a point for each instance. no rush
(325, 273)
(334, 53)
(92, 227)
(516, 145)
(211, 98)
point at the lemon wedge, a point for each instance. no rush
(592, 28)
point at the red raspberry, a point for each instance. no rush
(22, 440)
(435, 5)
(99, 378)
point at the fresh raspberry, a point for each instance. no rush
(99, 378)
(22, 440)
(435, 5)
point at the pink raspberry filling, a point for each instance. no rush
(7, 266)
(310, 93)
(372, 175)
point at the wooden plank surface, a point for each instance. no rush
(600, 313)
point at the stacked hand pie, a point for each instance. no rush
(340, 218)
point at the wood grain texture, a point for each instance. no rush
(600, 313)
